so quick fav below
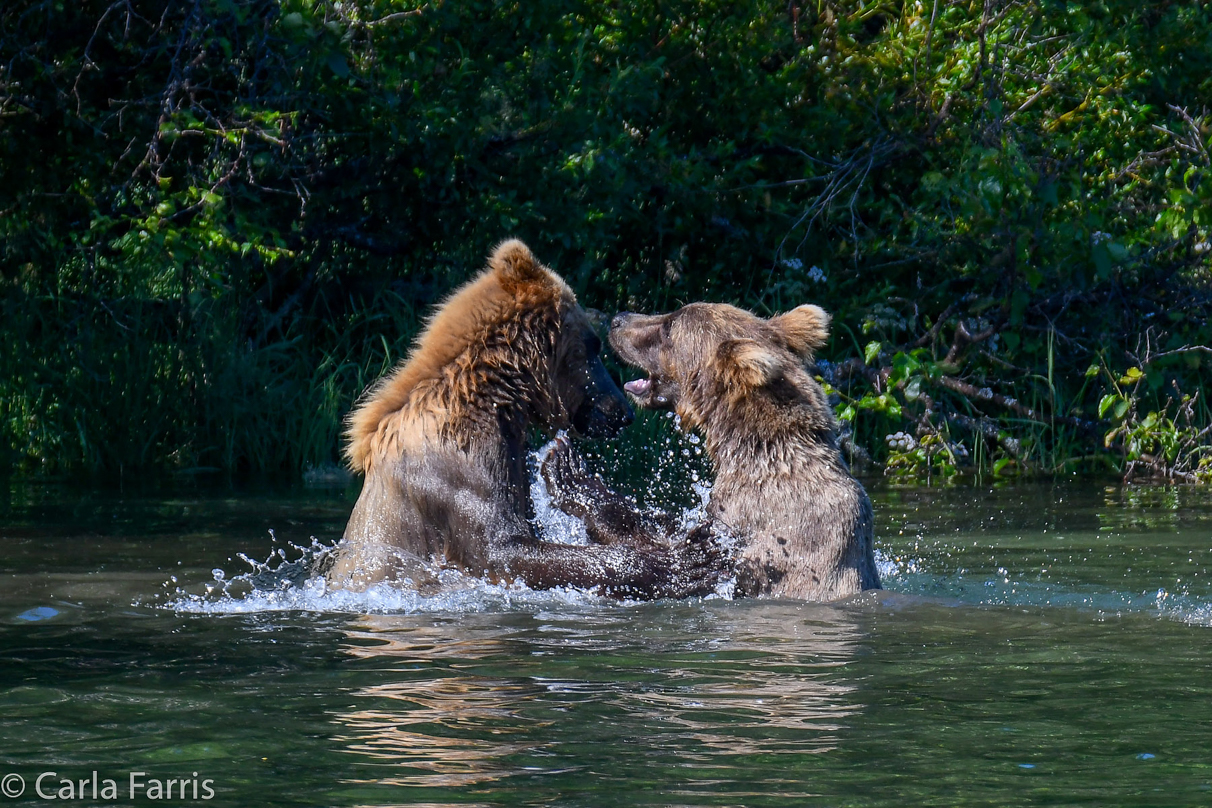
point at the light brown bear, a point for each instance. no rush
(442, 442)
(782, 489)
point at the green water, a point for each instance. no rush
(1036, 645)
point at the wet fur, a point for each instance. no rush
(781, 486)
(442, 442)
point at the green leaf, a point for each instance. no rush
(336, 63)
(1047, 193)
(872, 352)
(869, 402)
(1033, 275)
(1018, 305)
(1106, 403)
(904, 365)
(1133, 376)
(1102, 261)
(891, 407)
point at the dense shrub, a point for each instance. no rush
(221, 218)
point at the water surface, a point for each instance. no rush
(1036, 645)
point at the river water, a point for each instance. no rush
(1042, 644)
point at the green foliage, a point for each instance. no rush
(926, 458)
(1169, 443)
(220, 219)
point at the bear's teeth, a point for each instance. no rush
(638, 387)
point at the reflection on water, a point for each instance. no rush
(1113, 550)
(442, 728)
(405, 639)
(480, 701)
(420, 728)
(1036, 645)
(794, 701)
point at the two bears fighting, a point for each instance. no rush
(442, 442)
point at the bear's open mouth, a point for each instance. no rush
(638, 387)
(654, 392)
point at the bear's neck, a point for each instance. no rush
(490, 407)
(755, 454)
(498, 388)
(770, 450)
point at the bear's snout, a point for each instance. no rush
(603, 417)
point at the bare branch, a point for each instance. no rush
(986, 394)
(399, 15)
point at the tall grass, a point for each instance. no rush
(99, 389)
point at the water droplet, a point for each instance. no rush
(38, 613)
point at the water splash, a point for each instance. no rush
(290, 579)
(969, 565)
(459, 594)
(895, 567)
(1183, 607)
(550, 522)
(1004, 587)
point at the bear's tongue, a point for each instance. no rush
(638, 387)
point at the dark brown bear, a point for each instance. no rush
(782, 489)
(442, 442)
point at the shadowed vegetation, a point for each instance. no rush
(220, 219)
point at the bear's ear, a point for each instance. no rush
(516, 267)
(805, 328)
(747, 365)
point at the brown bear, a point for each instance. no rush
(782, 489)
(442, 442)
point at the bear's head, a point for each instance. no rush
(590, 399)
(555, 333)
(709, 354)
(512, 342)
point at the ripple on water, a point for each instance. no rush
(285, 581)
(1070, 561)
(456, 593)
